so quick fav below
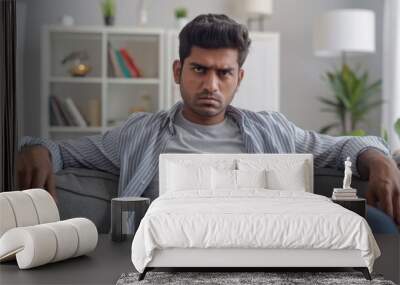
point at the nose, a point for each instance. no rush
(211, 82)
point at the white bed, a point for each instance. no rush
(268, 218)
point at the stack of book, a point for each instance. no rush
(64, 112)
(122, 62)
(344, 194)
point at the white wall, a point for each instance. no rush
(300, 70)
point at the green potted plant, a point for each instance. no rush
(181, 17)
(108, 9)
(353, 98)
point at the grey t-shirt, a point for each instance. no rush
(224, 137)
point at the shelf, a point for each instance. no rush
(76, 129)
(134, 80)
(60, 79)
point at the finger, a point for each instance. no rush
(371, 198)
(25, 178)
(386, 201)
(396, 207)
(51, 187)
(38, 179)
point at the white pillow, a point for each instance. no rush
(227, 179)
(181, 177)
(251, 178)
(282, 173)
(278, 180)
(223, 179)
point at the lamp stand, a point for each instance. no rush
(258, 19)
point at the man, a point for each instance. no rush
(212, 51)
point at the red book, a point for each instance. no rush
(130, 63)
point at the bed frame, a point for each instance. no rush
(250, 259)
(245, 259)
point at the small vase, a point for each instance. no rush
(109, 20)
(181, 22)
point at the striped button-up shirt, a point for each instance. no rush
(132, 149)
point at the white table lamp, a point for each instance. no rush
(341, 32)
(257, 10)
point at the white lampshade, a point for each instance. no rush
(258, 7)
(350, 31)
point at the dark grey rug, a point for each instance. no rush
(229, 278)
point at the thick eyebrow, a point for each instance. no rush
(228, 69)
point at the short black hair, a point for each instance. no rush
(214, 31)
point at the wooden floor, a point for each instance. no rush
(110, 260)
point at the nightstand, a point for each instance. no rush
(356, 205)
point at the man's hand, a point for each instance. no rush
(35, 169)
(384, 181)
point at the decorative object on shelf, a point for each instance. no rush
(142, 13)
(181, 16)
(346, 192)
(79, 66)
(144, 106)
(67, 20)
(257, 11)
(108, 9)
(94, 112)
(343, 33)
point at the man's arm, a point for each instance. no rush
(384, 181)
(370, 157)
(39, 158)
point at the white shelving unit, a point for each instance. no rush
(154, 51)
(117, 96)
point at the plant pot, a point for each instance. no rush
(109, 20)
(181, 22)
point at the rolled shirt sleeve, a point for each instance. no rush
(331, 151)
(101, 152)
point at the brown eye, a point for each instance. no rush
(198, 69)
(224, 73)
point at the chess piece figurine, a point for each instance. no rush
(347, 174)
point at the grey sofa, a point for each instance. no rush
(87, 193)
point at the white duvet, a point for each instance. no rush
(250, 218)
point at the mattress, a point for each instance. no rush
(251, 219)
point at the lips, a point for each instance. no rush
(208, 99)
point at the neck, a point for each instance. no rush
(202, 120)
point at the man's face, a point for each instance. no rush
(208, 81)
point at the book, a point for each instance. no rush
(56, 118)
(94, 112)
(130, 63)
(67, 117)
(338, 190)
(78, 118)
(113, 60)
(122, 64)
(344, 198)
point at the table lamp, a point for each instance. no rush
(257, 11)
(342, 33)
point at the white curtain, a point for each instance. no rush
(391, 70)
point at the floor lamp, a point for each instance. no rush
(342, 33)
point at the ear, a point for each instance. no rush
(177, 69)
(240, 75)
